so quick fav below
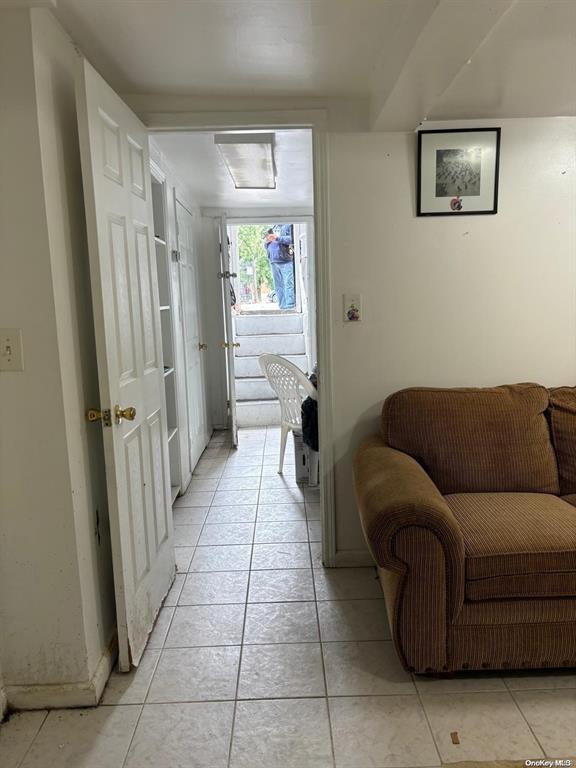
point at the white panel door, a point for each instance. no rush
(193, 342)
(229, 341)
(117, 191)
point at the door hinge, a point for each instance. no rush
(176, 255)
(227, 275)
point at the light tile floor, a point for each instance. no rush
(261, 658)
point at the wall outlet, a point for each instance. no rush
(352, 307)
(11, 354)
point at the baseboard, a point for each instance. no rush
(69, 694)
(3, 704)
(353, 558)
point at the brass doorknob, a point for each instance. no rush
(223, 345)
(202, 347)
(236, 344)
(124, 413)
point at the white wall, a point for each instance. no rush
(55, 577)
(55, 62)
(477, 301)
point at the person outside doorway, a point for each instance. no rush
(281, 256)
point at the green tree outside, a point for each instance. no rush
(255, 269)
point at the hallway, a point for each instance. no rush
(261, 658)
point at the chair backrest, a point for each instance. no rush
(291, 387)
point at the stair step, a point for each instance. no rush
(254, 389)
(264, 325)
(249, 367)
(279, 344)
(258, 413)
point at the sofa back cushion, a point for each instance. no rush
(562, 415)
(476, 440)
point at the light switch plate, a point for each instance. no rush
(352, 307)
(11, 354)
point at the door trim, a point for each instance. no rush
(316, 120)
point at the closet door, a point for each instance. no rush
(194, 345)
(132, 408)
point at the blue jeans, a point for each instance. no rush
(283, 276)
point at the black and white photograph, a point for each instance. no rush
(458, 171)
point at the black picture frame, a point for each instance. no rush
(450, 146)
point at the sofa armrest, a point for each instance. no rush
(394, 493)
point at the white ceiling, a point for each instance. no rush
(409, 59)
(197, 161)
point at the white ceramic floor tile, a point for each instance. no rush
(227, 533)
(279, 532)
(242, 470)
(84, 738)
(203, 484)
(281, 671)
(17, 734)
(281, 496)
(131, 687)
(316, 553)
(279, 482)
(537, 680)
(381, 731)
(190, 515)
(233, 513)
(182, 736)
(209, 468)
(347, 584)
(312, 510)
(271, 470)
(158, 634)
(195, 674)
(281, 512)
(552, 717)
(278, 556)
(472, 683)
(314, 530)
(247, 483)
(222, 558)
(195, 625)
(489, 727)
(289, 733)
(312, 494)
(171, 598)
(216, 452)
(225, 498)
(183, 558)
(353, 620)
(281, 586)
(215, 588)
(281, 623)
(195, 499)
(186, 535)
(365, 669)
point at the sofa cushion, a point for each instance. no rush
(475, 440)
(516, 544)
(562, 415)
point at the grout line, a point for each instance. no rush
(523, 716)
(33, 739)
(425, 713)
(322, 660)
(242, 636)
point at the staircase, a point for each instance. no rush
(275, 333)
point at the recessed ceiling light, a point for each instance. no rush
(249, 158)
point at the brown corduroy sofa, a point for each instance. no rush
(468, 504)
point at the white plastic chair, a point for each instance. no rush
(291, 387)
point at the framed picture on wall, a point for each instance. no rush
(458, 171)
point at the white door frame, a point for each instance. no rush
(316, 120)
